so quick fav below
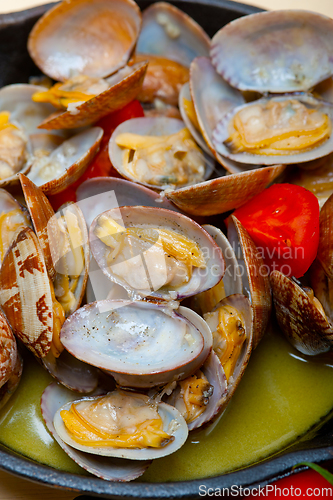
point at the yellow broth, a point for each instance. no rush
(269, 411)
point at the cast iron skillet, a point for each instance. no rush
(16, 67)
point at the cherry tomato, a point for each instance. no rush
(100, 165)
(283, 221)
(306, 484)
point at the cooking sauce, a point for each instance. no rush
(268, 412)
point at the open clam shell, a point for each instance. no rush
(169, 32)
(66, 164)
(17, 100)
(124, 87)
(101, 43)
(157, 344)
(212, 97)
(253, 52)
(71, 372)
(157, 126)
(222, 134)
(97, 195)
(255, 277)
(217, 196)
(25, 294)
(302, 322)
(184, 97)
(173, 424)
(163, 80)
(110, 469)
(244, 308)
(146, 281)
(13, 222)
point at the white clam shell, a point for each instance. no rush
(154, 126)
(110, 469)
(173, 423)
(279, 51)
(221, 134)
(150, 217)
(142, 344)
(169, 32)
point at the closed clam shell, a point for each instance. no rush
(322, 287)
(57, 171)
(25, 294)
(169, 32)
(142, 344)
(279, 51)
(101, 43)
(150, 275)
(124, 87)
(304, 325)
(110, 469)
(255, 276)
(172, 421)
(220, 195)
(222, 134)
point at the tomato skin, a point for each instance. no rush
(101, 165)
(307, 484)
(283, 221)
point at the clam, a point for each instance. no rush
(111, 469)
(255, 277)
(25, 293)
(301, 316)
(254, 52)
(231, 323)
(199, 397)
(163, 79)
(121, 424)
(169, 32)
(142, 344)
(290, 129)
(216, 196)
(13, 218)
(155, 252)
(63, 166)
(101, 43)
(231, 282)
(325, 253)
(85, 102)
(158, 153)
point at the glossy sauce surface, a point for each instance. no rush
(268, 412)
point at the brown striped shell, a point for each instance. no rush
(325, 252)
(25, 294)
(8, 350)
(301, 321)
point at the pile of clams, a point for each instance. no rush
(145, 317)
